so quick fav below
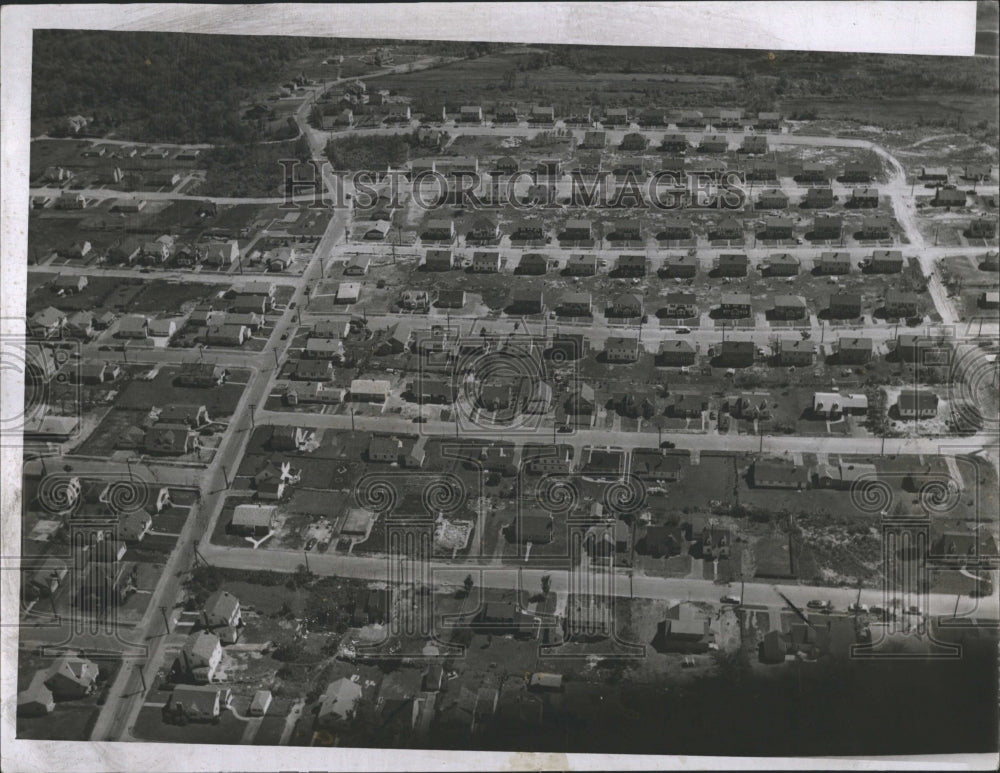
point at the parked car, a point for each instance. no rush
(311, 544)
(668, 444)
(564, 428)
(730, 600)
(820, 604)
(682, 330)
(856, 608)
(292, 305)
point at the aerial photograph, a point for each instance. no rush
(553, 398)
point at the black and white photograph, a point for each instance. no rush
(478, 400)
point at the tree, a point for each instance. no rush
(546, 583)
(468, 584)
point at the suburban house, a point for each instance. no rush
(676, 353)
(98, 372)
(813, 173)
(901, 304)
(754, 145)
(983, 227)
(858, 172)
(768, 121)
(625, 305)
(845, 305)
(736, 354)
(382, 448)
(223, 334)
(542, 115)
(193, 416)
(732, 265)
(621, 349)
(486, 262)
(949, 197)
(201, 656)
(631, 265)
(581, 265)
(532, 263)
(795, 351)
(680, 267)
(922, 349)
(450, 299)
(761, 170)
(828, 227)
(221, 614)
(885, 262)
(774, 473)
(133, 326)
(199, 703)
(253, 520)
(854, 351)
(832, 405)
(781, 264)
(577, 229)
(358, 265)
(202, 374)
(439, 229)
(582, 401)
(876, 227)
(679, 306)
(771, 198)
(170, 439)
(674, 143)
(80, 324)
(778, 227)
(713, 143)
(833, 263)
(735, 305)
(525, 300)
(288, 438)
(222, 253)
(313, 370)
(269, 482)
(369, 390)
(863, 198)
(789, 307)
(530, 527)
(71, 677)
(439, 260)
(917, 404)
(820, 197)
(677, 228)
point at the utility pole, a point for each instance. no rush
(225, 477)
(252, 406)
(166, 620)
(352, 419)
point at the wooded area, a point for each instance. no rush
(153, 86)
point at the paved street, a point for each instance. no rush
(212, 482)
